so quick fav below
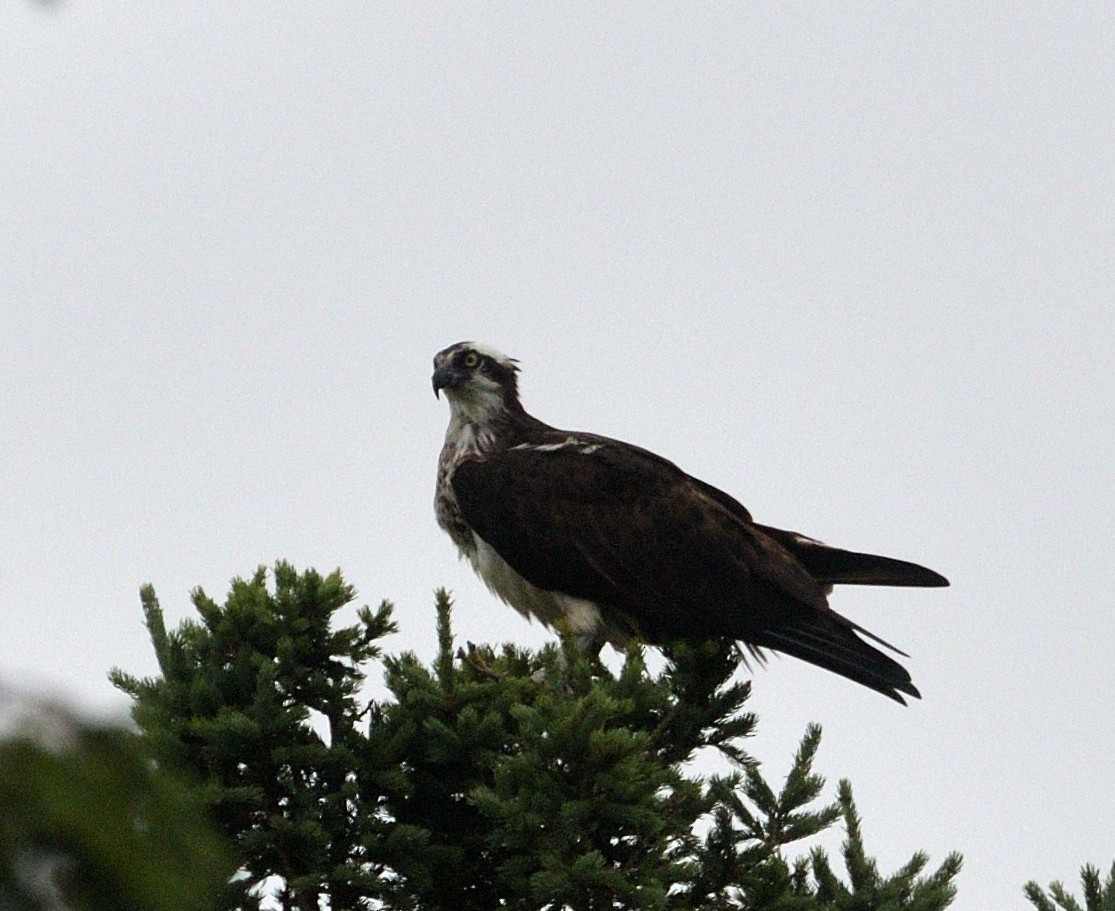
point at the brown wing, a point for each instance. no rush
(622, 527)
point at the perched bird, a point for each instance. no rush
(620, 543)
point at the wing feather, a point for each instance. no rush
(628, 529)
(672, 556)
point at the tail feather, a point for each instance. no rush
(833, 566)
(825, 640)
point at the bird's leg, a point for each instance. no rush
(473, 659)
(586, 643)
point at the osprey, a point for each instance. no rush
(619, 543)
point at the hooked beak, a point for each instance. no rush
(444, 378)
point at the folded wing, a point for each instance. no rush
(676, 558)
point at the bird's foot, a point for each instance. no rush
(472, 659)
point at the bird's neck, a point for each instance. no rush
(478, 423)
(485, 422)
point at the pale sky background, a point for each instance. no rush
(852, 263)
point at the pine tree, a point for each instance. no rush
(491, 778)
(86, 823)
(259, 702)
(1098, 895)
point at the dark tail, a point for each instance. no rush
(830, 641)
(833, 566)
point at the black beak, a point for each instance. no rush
(444, 377)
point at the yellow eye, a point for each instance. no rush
(472, 359)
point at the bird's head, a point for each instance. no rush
(479, 381)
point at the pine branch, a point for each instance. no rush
(1098, 895)
(867, 888)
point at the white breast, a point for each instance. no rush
(582, 617)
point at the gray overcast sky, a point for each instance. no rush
(852, 263)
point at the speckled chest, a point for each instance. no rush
(448, 513)
(463, 441)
